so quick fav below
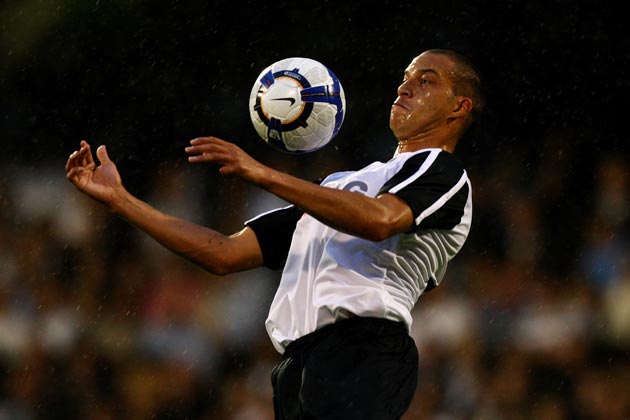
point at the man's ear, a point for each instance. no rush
(463, 107)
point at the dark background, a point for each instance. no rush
(98, 322)
(145, 77)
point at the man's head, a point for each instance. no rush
(440, 97)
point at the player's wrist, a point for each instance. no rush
(267, 178)
(119, 201)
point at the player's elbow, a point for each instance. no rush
(225, 264)
(383, 228)
(232, 260)
(377, 234)
(238, 252)
(220, 265)
(389, 217)
(220, 268)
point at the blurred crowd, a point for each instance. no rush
(532, 320)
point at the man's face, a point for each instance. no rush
(425, 97)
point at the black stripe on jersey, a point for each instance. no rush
(450, 214)
(274, 231)
(409, 168)
(443, 174)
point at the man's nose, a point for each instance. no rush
(403, 89)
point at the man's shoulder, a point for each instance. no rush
(435, 161)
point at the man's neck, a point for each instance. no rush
(437, 138)
(412, 145)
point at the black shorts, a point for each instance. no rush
(360, 368)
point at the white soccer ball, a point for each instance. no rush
(297, 105)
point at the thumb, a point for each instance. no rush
(101, 154)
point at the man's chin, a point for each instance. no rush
(396, 129)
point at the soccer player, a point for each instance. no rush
(357, 250)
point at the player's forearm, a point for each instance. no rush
(202, 246)
(349, 212)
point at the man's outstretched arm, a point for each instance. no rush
(370, 218)
(220, 254)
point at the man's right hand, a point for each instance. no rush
(211, 250)
(101, 182)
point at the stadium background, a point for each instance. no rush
(97, 322)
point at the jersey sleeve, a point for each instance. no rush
(436, 188)
(274, 231)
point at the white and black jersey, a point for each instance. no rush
(329, 275)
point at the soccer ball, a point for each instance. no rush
(297, 105)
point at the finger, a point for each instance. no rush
(206, 140)
(202, 148)
(89, 159)
(84, 157)
(81, 157)
(210, 144)
(200, 140)
(101, 154)
(72, 173)
(202, 157)
(226, 170)
(72, 160)
(195, 159)
(75, 159)
(194, 150)
(212, 157)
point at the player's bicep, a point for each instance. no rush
(244, 251)
(400, 215)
